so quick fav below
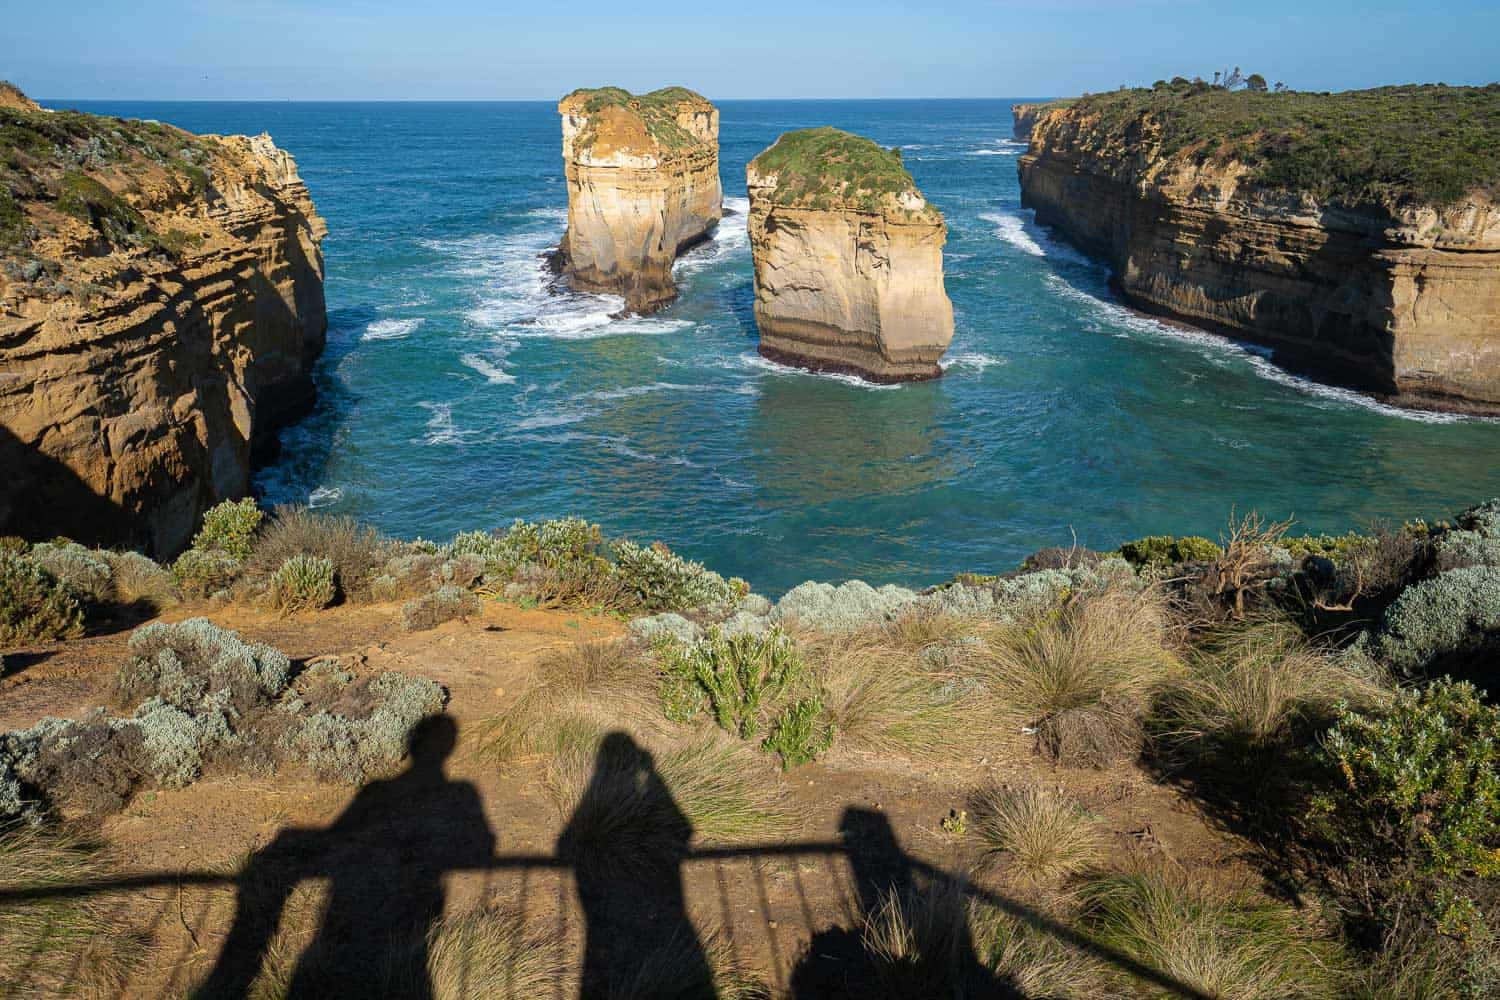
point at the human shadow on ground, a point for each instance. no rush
(910, 937)
(384, 859)
(626, 841)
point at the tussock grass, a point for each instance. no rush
(884, 699)
(1034, 962)
(662, 971)
(597, 684)
(1082, 675)
(1253, 686)
(1225, 945)
(920, 942)
(491, 952)
(1046, 836)
(624, 805)
(60, 946)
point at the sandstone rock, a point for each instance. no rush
(161, 306)
(1024, 116)
(848, 259)
(643, 186)
(1400, 300)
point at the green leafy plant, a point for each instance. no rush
(659, 580)
(739, 675)
(303, 583)
(801, 733)
(34, 605)
(1162, 551)
(230, 528)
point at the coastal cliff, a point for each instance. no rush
(1343, 230)
(643, 186)
(848, 259)
(1024, 116)
(161, 307)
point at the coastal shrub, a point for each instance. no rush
(229, 527)
(176, 744)
(303, 583)
(1415, 797)
(1079, 677)
(61, 944)
(139, 580)
(823, 607)
(1164, 551)
(656, 579)
(86, 573)
(366, 733)
(441, 605)
(741, 679)
(1450, 618)
(1482, 518)
(1418, 963)
(204, 572)
(358, 553)
(187, 663)
(1044, 834)
(1463, 548)
(34, 605)
(801, 733)
(88, 766)
(1216, 943)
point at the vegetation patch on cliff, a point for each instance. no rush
(656, 110)
(827, 168)
(1429, 144)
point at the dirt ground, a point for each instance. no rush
(766, 904)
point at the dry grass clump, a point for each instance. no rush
(1046, 836)
(1080, 677)
(1252, 686)
(660, 974)
(491, 952)
(884, 699)
(59, 946)
(598, 683)
(442, 605)
(358, 553)
(1220, 944)
(139, 580)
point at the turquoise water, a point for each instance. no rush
(458, 391)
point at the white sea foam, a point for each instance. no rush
(391, 329)
(971, 360)
(1224, 352)
(440, 426)
(1012, 230)
(492, 372)
(756, 361)
(325, 496)
(558, 418)
(731, 238)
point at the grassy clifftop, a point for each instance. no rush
(1426, 144)
(657, 110)
(828, 168)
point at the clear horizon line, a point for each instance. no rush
(44, 101)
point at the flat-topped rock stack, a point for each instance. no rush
(848, 259)
(643, 186)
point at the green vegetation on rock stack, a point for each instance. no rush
(1430, 144)
(657, 110)
(826, 168)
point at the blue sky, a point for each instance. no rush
(469, 50)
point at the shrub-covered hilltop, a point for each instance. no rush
(828, 168)
(1429, 144)
(1262, 765)
(658, 112)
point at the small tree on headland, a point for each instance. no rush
(1255, 82)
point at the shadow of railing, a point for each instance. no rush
(526, 864)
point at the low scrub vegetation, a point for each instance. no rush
(1042, 834)
(34, 605)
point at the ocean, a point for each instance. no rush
(460, 391)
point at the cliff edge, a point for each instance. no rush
(643, 186)
(1357, 234)
(161, 307)
(848, 259)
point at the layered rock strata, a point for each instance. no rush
(848, 259)
(1400, 299)
(643, 186)
(1024, 116)
(161, 307)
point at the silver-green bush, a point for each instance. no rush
(303, 583)
(443, 604)
(193, 661)
(659, 580)
(354, 748)
(34, 605)
(1456, 612)
(87, 573)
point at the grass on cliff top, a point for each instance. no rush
(827, 168)
(1429, 144)
(658, 110)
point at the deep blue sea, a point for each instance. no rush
(459, 392)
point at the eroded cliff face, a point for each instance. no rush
(1402, 301)
(643, 186)
(847, 279)
(161, 306)
(1024, 116)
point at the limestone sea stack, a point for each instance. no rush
(848, 259)
(643, 186)
(1349, 232)
(161, 307)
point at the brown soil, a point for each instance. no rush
(768, 903)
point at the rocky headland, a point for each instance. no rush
(1344, 230)
(643, 186)
(1024, 116)
(161, 306)
(848, 259)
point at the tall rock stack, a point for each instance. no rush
(161, 307)
(848, 259)
(643, 186)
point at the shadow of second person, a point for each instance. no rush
(626, 841)
(384, 859)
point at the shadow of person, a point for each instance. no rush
(626, 841)
(384, 858)
(909, 939)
